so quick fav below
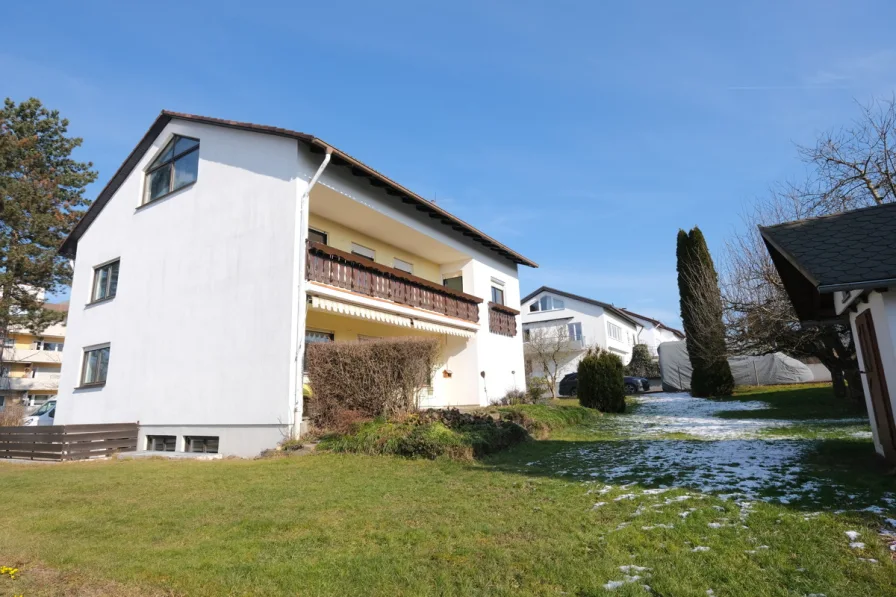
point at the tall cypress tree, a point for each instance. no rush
(41, 199)
(701, 316)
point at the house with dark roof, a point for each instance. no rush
(570, 324)
(843, 267)
(655, 332)
(219, 250)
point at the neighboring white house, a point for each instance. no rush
(586, 322)
(843, 267)
(231, 246)
(654, 332)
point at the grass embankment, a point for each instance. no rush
(457, 435)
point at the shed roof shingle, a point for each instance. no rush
(853, 249)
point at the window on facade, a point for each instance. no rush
(527, 334)
(574, 330)
(95, 367)
(546, 303)
(161, 443)
(316, 236)
(614, 331)
(497, 295)
(48, 345)
(454, 283)
(405, 266)
(313, 337)
(176, 167)
(362, 251)
(38, 399)
(105, 281)
(9, 342)
(204, 444)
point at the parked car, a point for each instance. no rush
(569, 384)
(45, 415)
(633, 385)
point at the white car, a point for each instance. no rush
(45, 415)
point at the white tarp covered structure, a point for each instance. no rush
(765, 370)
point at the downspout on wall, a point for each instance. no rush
(301, 240)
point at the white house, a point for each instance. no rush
(220, 248)
(585, 323)
(843, 267)
(654, 332)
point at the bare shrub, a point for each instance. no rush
(381, 377)
(12, 415)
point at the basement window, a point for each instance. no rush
(161, 443)
(176, 167)
(201, 444)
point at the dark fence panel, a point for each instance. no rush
(67, 442)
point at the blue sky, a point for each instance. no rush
(581, 134)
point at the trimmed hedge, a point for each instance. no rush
(429, 434)
(600, 382)
(376, 378)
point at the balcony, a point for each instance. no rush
(345, 271)
(47, 381)
(27, 355)
(560, 344)
(502, 320)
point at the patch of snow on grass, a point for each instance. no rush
(857, 545)
(700, 548)
(666, 413)
(853, 535)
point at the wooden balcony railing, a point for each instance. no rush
(333, 267)
(502, 320)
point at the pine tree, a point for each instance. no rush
(701, 315)
(41, 199)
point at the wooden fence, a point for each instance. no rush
(343, 270)
(67, 442)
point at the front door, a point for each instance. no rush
(877, 384)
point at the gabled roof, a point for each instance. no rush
(614, 310)
(847, 251)
(339, 158)
(655, 322)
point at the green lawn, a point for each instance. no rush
(524, 522)
(798, 401)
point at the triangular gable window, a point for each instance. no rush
(176, 167)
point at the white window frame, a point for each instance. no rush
(574, 330)
(553, 304)
(614, 331)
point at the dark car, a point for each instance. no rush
(633, 385)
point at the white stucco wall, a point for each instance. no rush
(883, 315)
(594, 320)
(202, 326)
(199, 328)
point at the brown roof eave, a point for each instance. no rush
(69, 246)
